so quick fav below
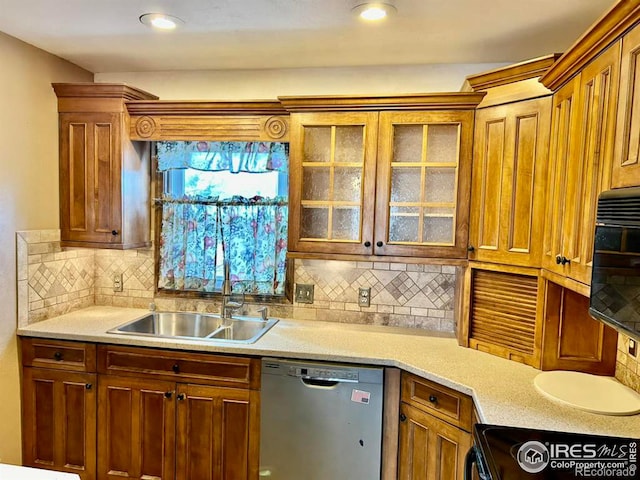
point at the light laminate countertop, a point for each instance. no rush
(503, 390)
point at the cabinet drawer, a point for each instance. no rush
(203, 368)
(438, 400)
(58, 354)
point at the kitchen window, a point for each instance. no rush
(223, 201)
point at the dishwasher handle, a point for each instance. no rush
(319, 383)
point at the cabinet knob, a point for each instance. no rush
(433, 399)
(562, 260)
(114, 233)
(88, 386)
(175, 368)
(181, 396)
(471, 249)
(57, 356)
(558, 259)
(168, 394)
(403, 417)
(379, 244)
(565, 260)
(367, 244)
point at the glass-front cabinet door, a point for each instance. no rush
(333, 168)
(424, 171)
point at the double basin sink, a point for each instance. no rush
(197, 326)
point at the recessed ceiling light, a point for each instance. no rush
(373, 11)
(161, 21)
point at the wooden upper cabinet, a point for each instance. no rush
(626, 158)
(104, 177)
(423, 182)
(373, 176)
(582, 140)
(332, 182)
(509, 182)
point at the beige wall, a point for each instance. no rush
(28, 193)
(269, 84)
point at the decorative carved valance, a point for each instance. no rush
(228, 121)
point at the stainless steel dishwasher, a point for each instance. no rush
(320, 421)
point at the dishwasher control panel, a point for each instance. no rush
(328, 374)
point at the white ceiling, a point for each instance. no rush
(106, 36)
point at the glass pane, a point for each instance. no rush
(405, 184)
(349, 144)
(440, 185)
(347, 184)
(317, 144)
(438, 230)
(346, 224)
(314, 222)
(315, 183)
(403, 224)
(442, 143)
(407, 143)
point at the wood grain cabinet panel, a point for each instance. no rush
(217, 433)
(429, 447)
(388, 181)
(626, 159)
(136, 429)
(104, 177)
(581, 154)
(59, 421)
(509, 182)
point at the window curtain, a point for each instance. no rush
(252, 232)
(252, 157)
(254, 241)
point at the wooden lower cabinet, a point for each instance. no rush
(217, 433)
(136, 428)
(429, 447)
(165, 430)
(59, 421)
(147, 414)
(435, 422)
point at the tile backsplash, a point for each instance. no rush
(627, 365)
(53, 281)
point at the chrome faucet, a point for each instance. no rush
(227, 304)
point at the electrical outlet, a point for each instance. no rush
(364, 297)
(117, 282)
(304, 293)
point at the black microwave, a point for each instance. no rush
(615, 279)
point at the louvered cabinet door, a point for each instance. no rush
(503, 309)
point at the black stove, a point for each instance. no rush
(509, 453)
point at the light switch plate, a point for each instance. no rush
(364, 297)
(304, 293)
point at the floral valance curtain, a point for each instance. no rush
(251, 234)
(254, 157)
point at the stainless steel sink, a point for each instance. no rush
(191, 326)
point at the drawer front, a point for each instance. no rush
(438, 400)
(202, 368)
(58, 354)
